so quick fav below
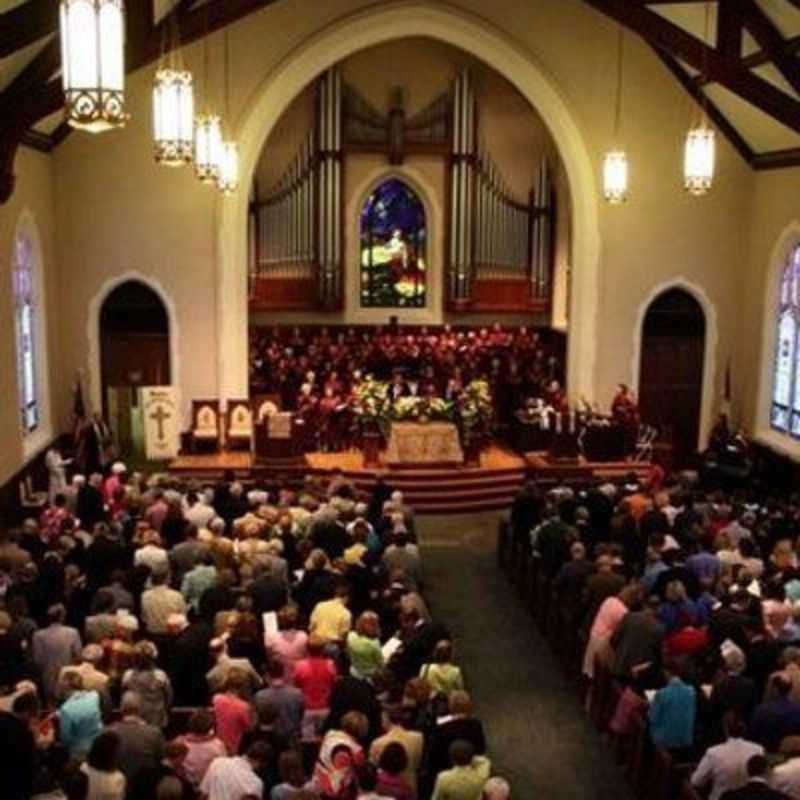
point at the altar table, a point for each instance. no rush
(423, 444)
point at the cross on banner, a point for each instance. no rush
(159, 416)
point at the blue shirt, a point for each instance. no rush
(80, 722)
(672, 713)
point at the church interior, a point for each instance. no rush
(400, 398)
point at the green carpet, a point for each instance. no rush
(539, 737)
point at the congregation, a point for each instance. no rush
(678, 606)
(172, 641)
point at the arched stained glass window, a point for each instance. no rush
(785, 411)
(394, 240)
(25, 325)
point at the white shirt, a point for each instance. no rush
(200, 515)
(724, 766)
(231, 778)
(786, 778)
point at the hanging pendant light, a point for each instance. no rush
(93, 63)
(615, 177)
(228, 179)
(699, 154)
(698, 159)
(173, 117)
(207, 128)
(228, 176)
(207, 147)
(173, 106)
(615, 162)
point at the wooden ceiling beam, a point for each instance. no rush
(26, 23)
(770, 39)
(729, 31)
(777, 159)
(32, 78)
(714, 114)
(728, 72)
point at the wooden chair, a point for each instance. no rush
(239, 425)
(30, 501)
(206, 425)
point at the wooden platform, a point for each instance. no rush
(445, 490)
(490, 486)
(580, 471)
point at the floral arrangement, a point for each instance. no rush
(475, 408)
(371, 403)
(374, 407)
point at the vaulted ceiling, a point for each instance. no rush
(740, 57)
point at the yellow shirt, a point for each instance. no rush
(463, 783)
(331, 620)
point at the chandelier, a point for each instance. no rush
(93, 59)
(615, 163)
(173, 117)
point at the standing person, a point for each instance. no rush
(340, 754)
(141, 744)
(151, 685)
(724, 766)
(106, 780)
(79, 718)
(57, 473)
(233, 713)
(236, 777)
(54, 648)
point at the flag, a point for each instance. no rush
(727, 391)
(78, 406)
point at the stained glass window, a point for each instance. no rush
(393, 248)
(785, 410)
(25, 331)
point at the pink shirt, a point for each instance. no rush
(288, 647)
(234, 718)
(202, 751)
(315, 676)
(608, 618)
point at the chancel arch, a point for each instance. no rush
(367, 29)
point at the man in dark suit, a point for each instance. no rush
(89, 503)
(458, 725)
(418, 640)
(268, 590)
(756, 787)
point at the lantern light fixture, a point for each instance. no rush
(93, 63)
(615, 162)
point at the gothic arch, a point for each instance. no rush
(366, 29)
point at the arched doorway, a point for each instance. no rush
(671, 369)
(134, 351)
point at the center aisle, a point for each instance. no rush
(539, 737)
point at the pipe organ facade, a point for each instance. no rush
(498, 247)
